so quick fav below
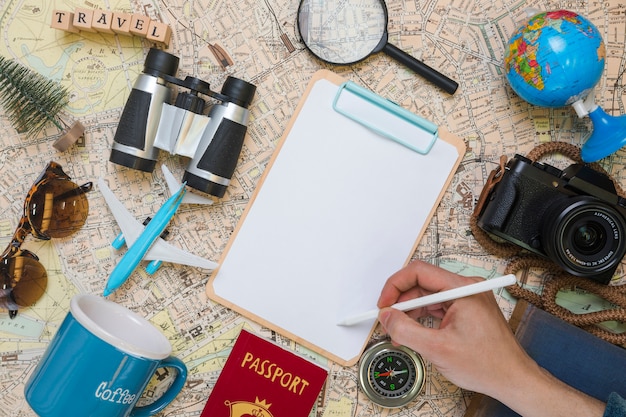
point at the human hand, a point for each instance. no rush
(473, 346)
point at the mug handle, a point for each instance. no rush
(170, 394)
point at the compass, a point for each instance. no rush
(391, 376)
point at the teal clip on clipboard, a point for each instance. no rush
(339, 208)
(395, 123)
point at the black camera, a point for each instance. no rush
(573, 216)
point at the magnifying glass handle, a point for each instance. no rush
(434, 76)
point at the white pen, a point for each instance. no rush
(439, 297)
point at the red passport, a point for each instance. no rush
(262, 379)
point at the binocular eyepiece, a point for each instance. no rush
(149, 123)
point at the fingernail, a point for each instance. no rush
(383, 316)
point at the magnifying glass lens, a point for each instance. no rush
(342, 31)
(348, 31)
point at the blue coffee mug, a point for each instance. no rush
(99, 363)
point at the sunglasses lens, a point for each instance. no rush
(29, 280)
(58, 208)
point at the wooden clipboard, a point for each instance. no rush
(338, 210)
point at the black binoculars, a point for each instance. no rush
(220, 140)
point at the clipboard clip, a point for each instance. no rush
(385, 117)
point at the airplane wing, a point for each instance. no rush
(165, 252)
(131, 229)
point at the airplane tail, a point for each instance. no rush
(174, 185)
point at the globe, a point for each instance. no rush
(555, 59)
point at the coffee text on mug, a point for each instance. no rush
(119, 395)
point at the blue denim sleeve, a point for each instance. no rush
(615, 406)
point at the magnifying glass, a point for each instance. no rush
(347, 31)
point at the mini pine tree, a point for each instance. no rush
(30, 99)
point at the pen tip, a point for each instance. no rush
(106, 292)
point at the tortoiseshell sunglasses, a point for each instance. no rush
(54, 207)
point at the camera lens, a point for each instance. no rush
(584, 236)
(589, 238)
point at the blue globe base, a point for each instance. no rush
(609, 135)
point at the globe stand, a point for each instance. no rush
(609, 132)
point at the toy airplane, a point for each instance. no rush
(145, 243)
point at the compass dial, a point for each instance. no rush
(391, 376)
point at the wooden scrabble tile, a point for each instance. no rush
(159, 32)
(102, 21)
(82, 19)
(121, 23)
(63, 20)
(139, 25)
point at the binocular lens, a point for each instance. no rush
(238, 91)
(160, 63)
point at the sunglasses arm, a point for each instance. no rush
(81, 189)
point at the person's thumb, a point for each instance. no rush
(402, 329)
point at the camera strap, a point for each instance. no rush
(494, 177)
(560, 280)
(557, 278)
